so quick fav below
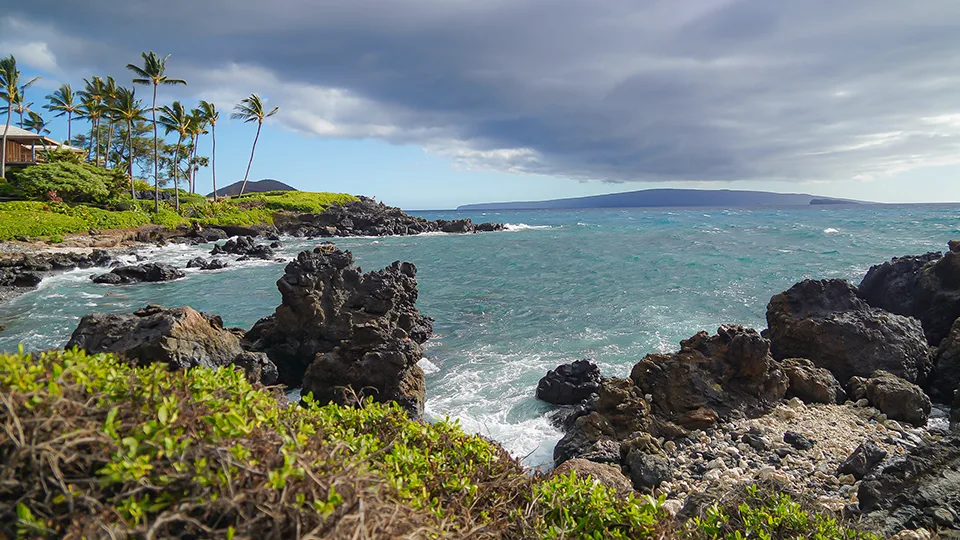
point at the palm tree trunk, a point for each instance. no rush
(176, 175)
(252, 150)
(90, 142)
(133, 192)
(69, 121)
(213, 131)
(196, 166)
(156, 161)
(106, 155)
(3, 151)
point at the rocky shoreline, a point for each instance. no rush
(832, 401)
(23, 265)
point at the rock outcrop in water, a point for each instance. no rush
(140, 273)
(946, 372)
(180, 337)
(926, 287)
(569, 384)
(245, 246)
(367, 217)
(826, 322)
(345, 335)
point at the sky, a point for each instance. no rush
(429, 104)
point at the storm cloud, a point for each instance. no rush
(610, 90)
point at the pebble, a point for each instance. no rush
(672, 507)
(716, 464)
(862, 402)
(847, 479)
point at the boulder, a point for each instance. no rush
(946, 371)
(490, 227)
(863, 460)
(606, 475)
(14, 277)
(618, 412)
(811, 383)
(180, 337)
(344, 335)
(648, 471)
(457, 226)
(570, 383)
(898, 399)
(148, 272)
(245, 246)
(918, 490)
(926, 287)
(825, 321)
(204, 264)
(711, 377)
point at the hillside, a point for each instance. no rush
(664, 198)
(259, 186)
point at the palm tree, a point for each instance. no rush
(210, 114)
(92, 110)
(94, 97)
(198, 127)
(109, 100)
(152, 72)
(127, 108)
(251, 110)
(176, 118)
(64, 102)
(36, 123)
(10, 91)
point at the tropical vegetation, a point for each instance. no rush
(101, 448)
(127, 142)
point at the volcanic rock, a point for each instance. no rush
(867, 456)
(811, 383)
(570, 383)
(148, 272)
(926, 287)
(204, 264)
(459, 226)
(798, 441)
(648, 471)
(618, 412)
(344, 335)
(946, 372)
(711, 377)
(244, 245)
(827, 323)
(916, 490)
(180, 337)
(898, 399)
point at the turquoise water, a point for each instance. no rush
(607, 284)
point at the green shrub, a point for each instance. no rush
(73, 182)
(100, 448)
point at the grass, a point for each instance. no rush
(94, 447)
(34, 219)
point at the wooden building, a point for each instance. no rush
(28, 148)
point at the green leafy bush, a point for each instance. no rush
(100, 448)
(73, 182)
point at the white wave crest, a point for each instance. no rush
(523, 227)
(830, 230)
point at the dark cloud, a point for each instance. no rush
(614, 90)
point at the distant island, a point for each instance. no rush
(253, 187)
(667, 197)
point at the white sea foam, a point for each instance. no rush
(830, 230)
(523, 227)
(428, 367)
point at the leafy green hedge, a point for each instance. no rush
(72, 182)
(99, 448)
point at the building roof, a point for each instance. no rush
(15, 132)
(23, 136)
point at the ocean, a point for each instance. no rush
(611, 285)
